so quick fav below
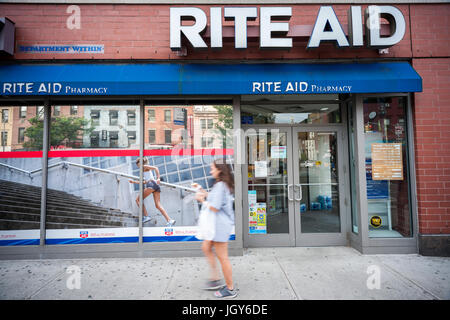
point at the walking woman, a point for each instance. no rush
(151, 186)
(220, 202)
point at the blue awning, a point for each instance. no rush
(207, 79)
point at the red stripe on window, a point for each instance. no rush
(21, 154)
(188, 152)
(93, 153)
(116, 153)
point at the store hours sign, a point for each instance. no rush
(274, 27)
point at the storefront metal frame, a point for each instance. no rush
(291, 238)
(355, 239)
(125, 250)
(359, 241)
(362, 241)
(338, 238)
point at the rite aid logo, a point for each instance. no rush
(84, 234)
(168, 231)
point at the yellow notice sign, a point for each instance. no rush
(387, 162)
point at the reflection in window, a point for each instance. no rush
(206, 123)
(167, 136)
(4, 139)
(174, 144)
(21, 135)
(151, 115)
(95, 117)
(113, 139)
(131, 115)
(20, 176)
(67, 131)
(200, 127)
(57, 111)
(95, 139)
(40, 113)
(113, 117)
(105, 198)
(167, 115)
(131, 138)
(23, 112)
(73, 110)
(292, 113)
(207, 142)
(151, 136)
(5, 115)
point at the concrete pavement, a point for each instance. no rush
(263, 274)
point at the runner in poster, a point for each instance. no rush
(151, 186)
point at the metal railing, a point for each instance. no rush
(14, 168)
(67, 163)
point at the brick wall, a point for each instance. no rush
(430, 25)
(431, 52)
(432, 145)
(142, 32)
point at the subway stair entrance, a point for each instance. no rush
(20, 206)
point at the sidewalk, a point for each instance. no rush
(262, 274)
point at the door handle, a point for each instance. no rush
(289, 194)
(301, 194)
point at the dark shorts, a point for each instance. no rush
(152, 184)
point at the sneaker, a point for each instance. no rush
(213, 285)
(171, 223)
(226, 293)
(145, 219)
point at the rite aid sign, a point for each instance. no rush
(274, 26)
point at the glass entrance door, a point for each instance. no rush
(269, 184)
(293, 179)
(318, 177)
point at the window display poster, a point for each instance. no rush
(251, 197)
(257, 218)
(278, 152)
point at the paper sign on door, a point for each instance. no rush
(260, 169)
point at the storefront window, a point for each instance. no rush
(386, 153)
(20, 175)
(179, 147)
(91, 161)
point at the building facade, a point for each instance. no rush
(333, 117)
